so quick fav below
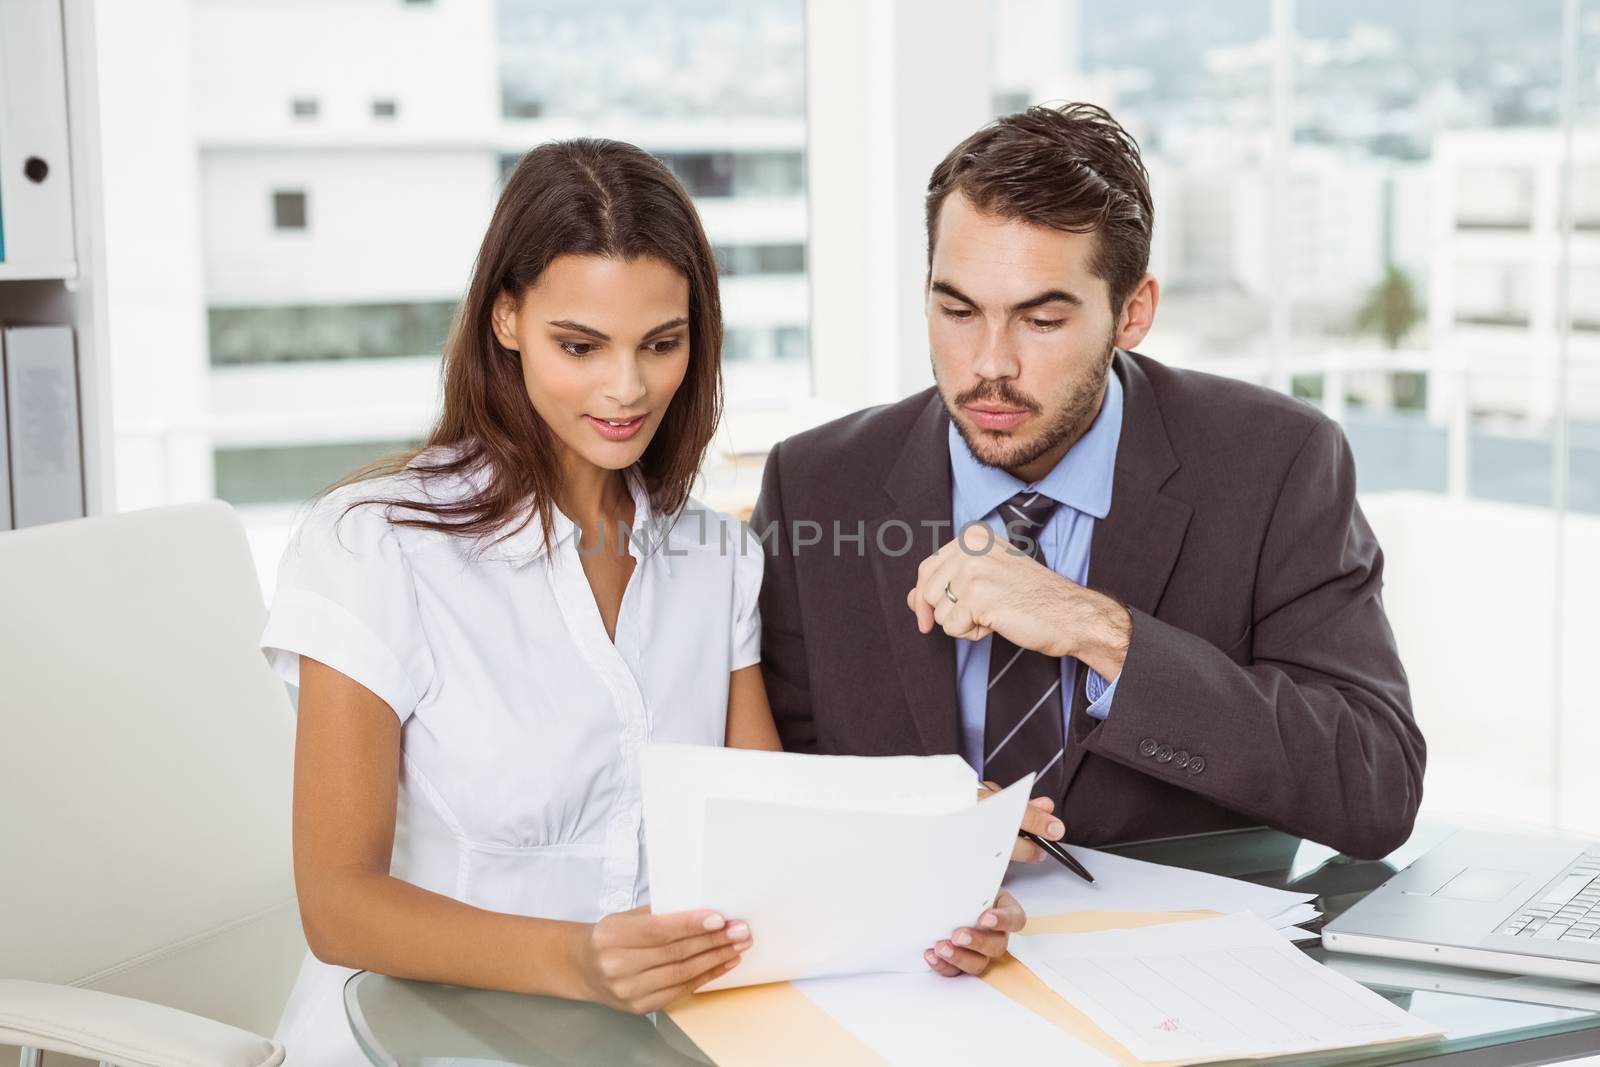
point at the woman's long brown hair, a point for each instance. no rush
(579, 197)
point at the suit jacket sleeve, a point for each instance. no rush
(1305, 723)
(783, 649)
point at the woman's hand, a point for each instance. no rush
(638, 962)
(971, 949)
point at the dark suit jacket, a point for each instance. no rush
(1262, 683)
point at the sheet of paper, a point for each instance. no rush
(925, 1020)
(676, 781)
(829, 892)
(1299, 913)
(1123, 884)
(775, 1025)
(1287, 922)
(1211, 989)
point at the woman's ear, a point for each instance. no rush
(503, 319)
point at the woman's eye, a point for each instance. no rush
(957, 313)
(576, 348)
(662, 347)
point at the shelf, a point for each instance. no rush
(38, 272)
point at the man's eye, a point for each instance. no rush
(1046, 324)
(576, 348)
(957, 313)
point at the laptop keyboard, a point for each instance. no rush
(1570, 911)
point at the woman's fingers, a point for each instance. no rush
(637, 960)
(640, 928)
(963, 960)
(672, 979)
(991, 943)
(1006, 916)
(942, 966)
(662, 999)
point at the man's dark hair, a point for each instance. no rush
(1071, 168)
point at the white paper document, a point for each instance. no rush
(1122, 884)
(892, 1015)
(1211, 989)
(841, 865)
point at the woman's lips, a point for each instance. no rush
(996, 418)
(620, 432)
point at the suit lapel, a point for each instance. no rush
(1135, 547)
(919, 484)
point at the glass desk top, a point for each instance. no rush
(1487, 1019)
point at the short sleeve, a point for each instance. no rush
(347, 597)
(747, 567)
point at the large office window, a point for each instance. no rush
(659, 59)
(320, 351)
(328, 332)
(280, 473)
(1362, 203)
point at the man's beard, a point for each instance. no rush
(1071, 422)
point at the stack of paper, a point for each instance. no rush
(840, 865)
(1210, 989)
(1128, 885)
(927, 1021)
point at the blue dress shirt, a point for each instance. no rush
(1081, 483)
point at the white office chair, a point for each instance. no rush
(147, 908)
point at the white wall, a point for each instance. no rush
(384, 224)
(151, 277)
(1468, 588)
(901, 84)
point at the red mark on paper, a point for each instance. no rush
(1169, 1024)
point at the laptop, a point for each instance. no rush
(1496, 902)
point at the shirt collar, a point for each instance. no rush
(1081, 480)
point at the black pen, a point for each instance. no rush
(1059, 854)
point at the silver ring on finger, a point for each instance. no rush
(948, 595)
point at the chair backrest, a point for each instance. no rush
(145, 766)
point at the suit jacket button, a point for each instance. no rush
(1180, 759)
(1164, 754)
(1196, 764)
(1147, 747)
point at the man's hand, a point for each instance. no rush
(998, 589)
(1037, 818)
(971, 949)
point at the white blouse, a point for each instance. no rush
(522, 721)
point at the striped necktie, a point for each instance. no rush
(1022, 729)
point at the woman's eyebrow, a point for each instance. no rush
(598, 335)
(672, 324)
(578, 327)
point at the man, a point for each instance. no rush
(1166, 601)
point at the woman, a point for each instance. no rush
(485, 632)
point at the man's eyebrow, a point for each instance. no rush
(1049, 296)
(953, 293)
